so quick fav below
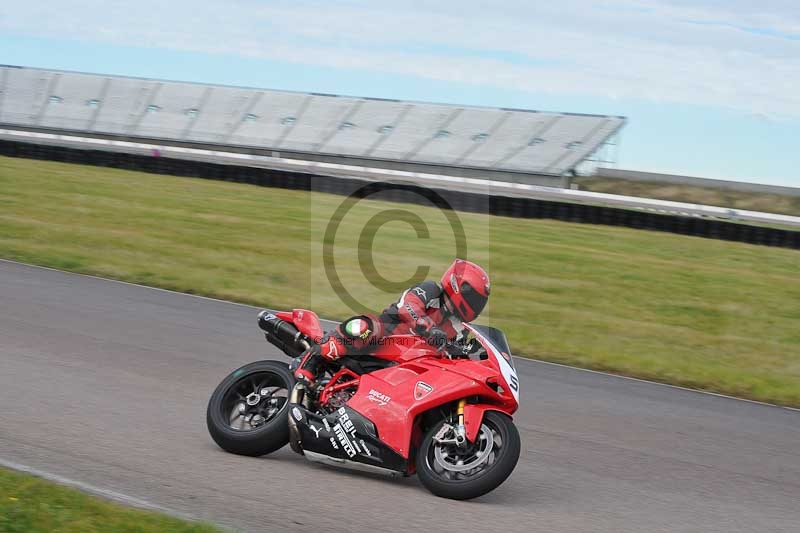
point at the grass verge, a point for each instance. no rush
(713, 315)
(748, 201)
(30, 505)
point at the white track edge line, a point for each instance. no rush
(92, 276)
(107, 494)
(640, 380)
(528, 359)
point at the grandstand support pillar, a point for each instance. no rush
(610, 151)
(566, 179)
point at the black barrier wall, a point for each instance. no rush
(461, 201)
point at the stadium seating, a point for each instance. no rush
(350, 128)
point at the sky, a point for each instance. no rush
(711, 88)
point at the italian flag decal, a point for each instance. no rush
(356, 327)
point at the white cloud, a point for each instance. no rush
(733, 53)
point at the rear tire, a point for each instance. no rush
(438, 470)
(243, 421)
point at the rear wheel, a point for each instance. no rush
(248, 412)
(465, 472)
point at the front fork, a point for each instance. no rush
(457, 434)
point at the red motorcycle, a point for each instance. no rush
(407, 407)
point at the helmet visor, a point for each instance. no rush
(475, 300)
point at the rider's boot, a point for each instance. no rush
(331, 348)
(309, 366)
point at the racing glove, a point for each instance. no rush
(423, 326)
(435, 336)
(438, 339)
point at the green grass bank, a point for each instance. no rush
(713, 315)
(32, 505)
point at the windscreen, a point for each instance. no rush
(498, 339)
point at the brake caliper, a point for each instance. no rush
(451, 435)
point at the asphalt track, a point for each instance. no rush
(106, 384)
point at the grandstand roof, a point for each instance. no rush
(496, 139)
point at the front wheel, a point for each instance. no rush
(248, 413)
(462, 473)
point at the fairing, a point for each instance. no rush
(392, 398)
(345, 435)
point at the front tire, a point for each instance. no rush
(248, 413)
(465, 473)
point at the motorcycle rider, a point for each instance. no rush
(434, 310)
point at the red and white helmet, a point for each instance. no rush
(466, 288)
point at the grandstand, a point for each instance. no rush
(515, 145)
